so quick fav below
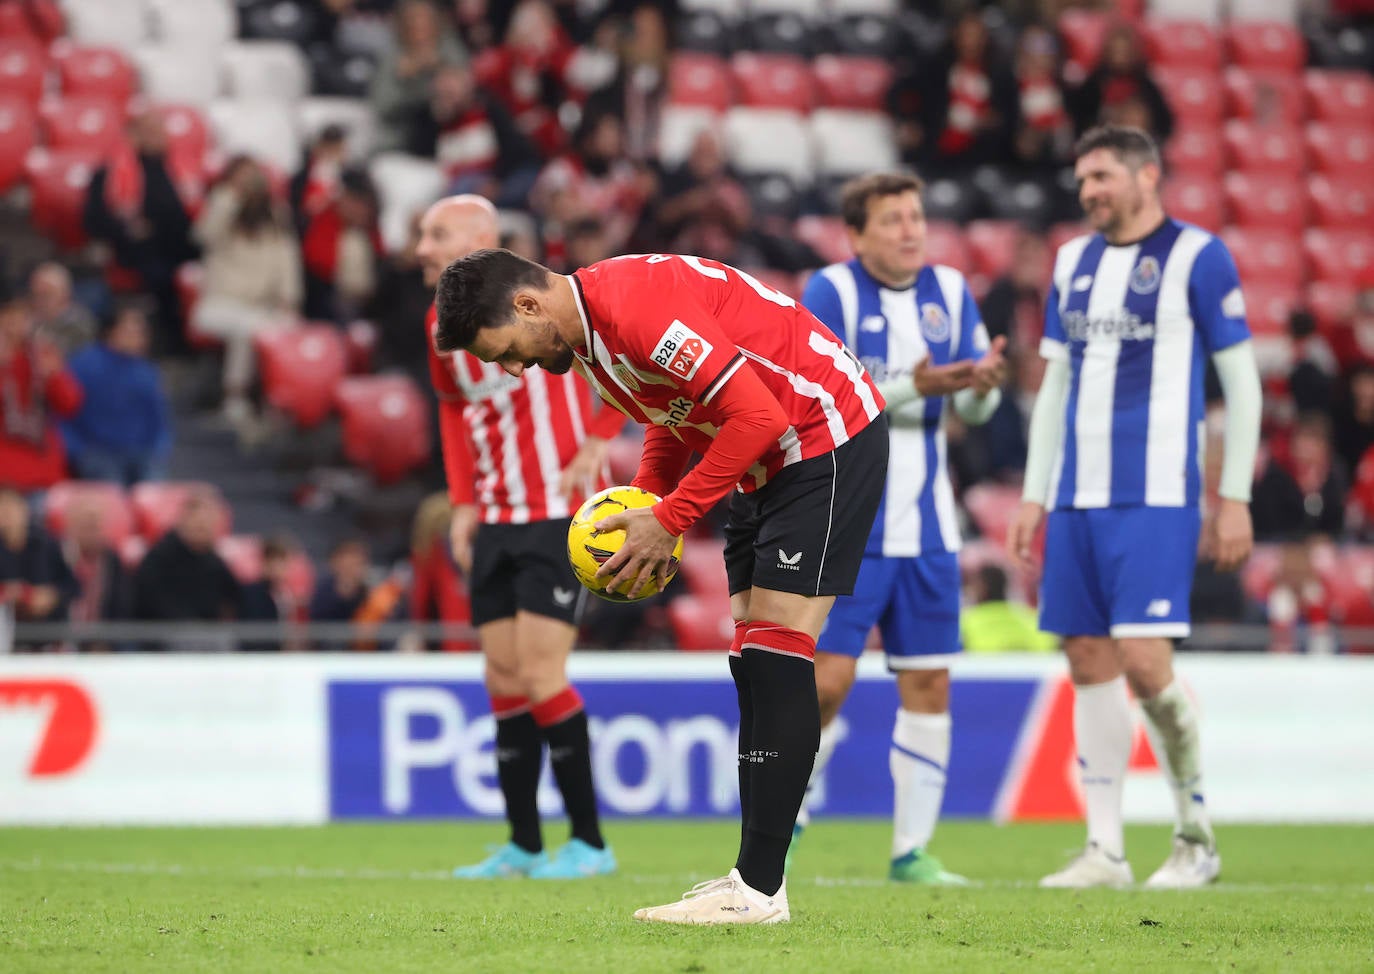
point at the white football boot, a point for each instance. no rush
(1191, 864)
(725, 900)
(1091, 867)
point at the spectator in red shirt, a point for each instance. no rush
(437, 590)
(1045, 136)
(36, 390)
(341, 251)
(316, 185)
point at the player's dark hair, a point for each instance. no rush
(1134, 147)
(477, 291)
(855, 194)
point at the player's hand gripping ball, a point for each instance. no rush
(589, 549)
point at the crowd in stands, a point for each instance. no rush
(239, 183)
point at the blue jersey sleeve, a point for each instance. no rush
(1215, 300)
(1055, 341)
(822, 300)
(973, 334)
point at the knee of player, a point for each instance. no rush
(924, 691)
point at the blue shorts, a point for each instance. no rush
(914, 602)
(1119, 571)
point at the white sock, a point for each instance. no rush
(830, 736)
(1103, 731)
(1174, 720)
(918, 759)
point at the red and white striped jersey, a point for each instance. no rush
(664, 333)
(506, 440)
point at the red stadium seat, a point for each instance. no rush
(1338, 96)
(243, 554)
(187, 132)
(300, 369)
(1257, 577)
(1195, 150)
(623, 458)
(82, 122)
(23, 65)
(37, 21)
(1195, 200)
(992, 246)
(1194, 94)
(1266, 256)
(695, 78)
(117, 516)
(385, 425)
(827, 235)
(1339, 256)
(18, 135)
(703, 568)
(1268, 45)
(57, 185)
(1274, 149)
(1330, 303)
(1345, 201)
(1268, 306)
(945, 244)
(1265, 201)
(773, 81)
(1083, 32)
(701, 625)
(993, 507)
(157, 506)
(1266, 97)
(1062, 233)
(100, 72)
(852, 82)
(1183, 43)
(1341, 149)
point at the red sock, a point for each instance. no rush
(558, 708)
(503, 707)
(773, 638)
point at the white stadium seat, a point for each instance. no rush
(871, 8)
(261, 127)
(762, 140)
(177, 74)
(407, 185)
(355, 115)
(1209, 11)
(810, 9)
(679, 129)
(1283, 11)
(265, 69)
(850, 142)
(194, 23)
(729, 9)
(113, 23)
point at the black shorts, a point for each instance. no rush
(524, 567)
(806, 529)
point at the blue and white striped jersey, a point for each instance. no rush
(891, 331)
(1136, 324)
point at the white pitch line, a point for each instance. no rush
(430, 875)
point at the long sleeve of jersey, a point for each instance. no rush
(662, 461)
(750, 419)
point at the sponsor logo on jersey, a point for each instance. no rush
(1122, 324)
(1146, 276)
(934, 322)
(873, 324)
(1233, 305)
(678, 411)
(681, 351)
(625, 376)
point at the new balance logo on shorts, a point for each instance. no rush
(1159, 609)
(788, 562)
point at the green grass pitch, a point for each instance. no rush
(376, 898)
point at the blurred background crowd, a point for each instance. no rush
(214, 402)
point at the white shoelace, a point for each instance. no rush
(710, 886)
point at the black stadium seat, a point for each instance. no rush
(704, 30)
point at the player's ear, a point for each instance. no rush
(526, 304)
(1151, 174)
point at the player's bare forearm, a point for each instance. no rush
(1021, 534)
(1232, 534)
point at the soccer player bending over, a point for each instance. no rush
(520, 452)
(1134, 313)
(715, 363)
(916, 329)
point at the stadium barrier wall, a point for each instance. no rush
(310, 738)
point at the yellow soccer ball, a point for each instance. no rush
(589, 549)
